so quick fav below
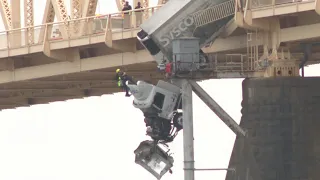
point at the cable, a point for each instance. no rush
(98, 7)
(122, 40)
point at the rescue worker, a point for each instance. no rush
(168, 70)
(122, 78)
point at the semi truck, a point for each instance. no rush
(169, 34)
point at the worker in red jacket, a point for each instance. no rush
(168, 70)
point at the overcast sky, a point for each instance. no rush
(94, 138)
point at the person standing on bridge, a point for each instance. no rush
(122, 78)
(127, 15)
(138, 14)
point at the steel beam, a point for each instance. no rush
(15, 36)
(15, 17)
(55, 85)
(62, 16)
(49, 13)
(22, 102)
(76, 13)
(54, 8)
(243, 138)
(120, 4)
(30, 93)
(48, 17)
(214, 106)
(8, 103)
(87, 64)
(34, 91)
(291, 34)
(60, 10)
(5, 10)
(145, 3)
(89, 9)
(229, 29)
(29, 21)
(188, 145)
(70, 94)
(76, 9)
(60, 85)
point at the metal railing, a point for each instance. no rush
(214, 13)
(75, 28)
(264, 3)
(190, 63)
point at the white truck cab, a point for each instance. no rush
(162, 99)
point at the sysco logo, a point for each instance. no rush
(177, 31)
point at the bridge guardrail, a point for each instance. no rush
(265, 3)
(211, 62)
(74, 29)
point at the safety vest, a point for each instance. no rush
(120, 81)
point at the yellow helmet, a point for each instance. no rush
(118, 70)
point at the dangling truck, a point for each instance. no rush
(176, 29)
(202, 19)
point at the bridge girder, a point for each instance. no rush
(76, 8)
(89, 8)
(14, 36)
(29, 21)
(55, 8)
(5, 10)
(120, 4)
(49, 13)
(88, 64)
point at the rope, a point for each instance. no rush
(98, 7)
(122, 52)
(122, 40)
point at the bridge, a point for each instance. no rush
(77, 56)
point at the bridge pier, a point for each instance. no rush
(282, 119)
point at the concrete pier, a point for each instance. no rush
(282, 118)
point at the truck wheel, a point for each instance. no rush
(178, 121)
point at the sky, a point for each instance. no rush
(94, 138)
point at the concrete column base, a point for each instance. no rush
(282, 116)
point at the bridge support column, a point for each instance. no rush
(188, 145)
(281, 116)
